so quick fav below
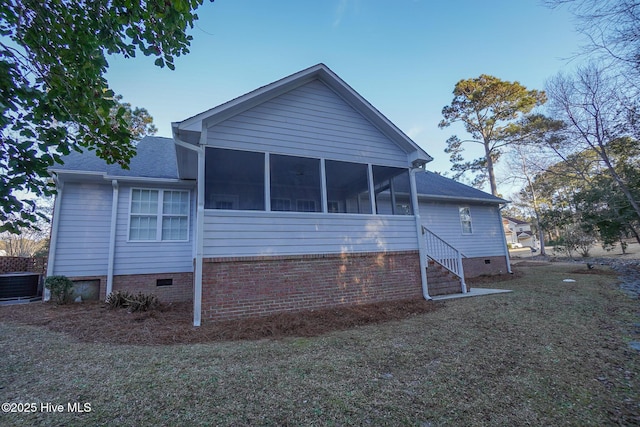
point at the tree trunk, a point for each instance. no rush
(490, 171)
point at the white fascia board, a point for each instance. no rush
(139, 179)
(462, 199)
(248, 100)
(379, 120)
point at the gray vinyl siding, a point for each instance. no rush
(443, 219)
(310, 121)
(83, 230)
(240, 233)
(150, 257)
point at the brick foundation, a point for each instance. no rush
(181, 290)
(474, 267)
(235, 288)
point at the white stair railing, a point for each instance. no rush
(444, 254)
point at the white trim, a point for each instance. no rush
(372, 190)
(122, 178)
(504, 241)
(54, 233)
(112, 238)
(267, 182)
(465, 233)
(422, 251)
(302, 215)
(159, 215)
(201, 121)
(197, 279)
(323, 187)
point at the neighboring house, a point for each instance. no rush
(518, 233)
(298, 195)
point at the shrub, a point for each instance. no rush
(61, 288)
(139, 302)
(118, 299)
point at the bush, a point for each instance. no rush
(139, 302)
(61, 288)
(118, 299)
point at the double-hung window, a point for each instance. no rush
(465, 220)
(159, 215)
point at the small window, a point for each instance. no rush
(295, 178)
(164, 282)
(465, 220)
(159, 215)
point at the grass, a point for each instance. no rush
(550, 353)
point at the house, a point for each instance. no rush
(298, 195)
(518, 233)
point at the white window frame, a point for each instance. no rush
(159, 214)
(464, 232)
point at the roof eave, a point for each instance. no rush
(321, 72)
(462, 198)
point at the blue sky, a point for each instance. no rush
(403, 56)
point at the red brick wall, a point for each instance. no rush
(254, 286)
(180, 291)
(474, 267)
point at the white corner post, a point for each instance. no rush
(422, 252)
(112, 237)
(504, 240)
(53, 240)
(199, 232)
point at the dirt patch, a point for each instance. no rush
(596, 271)
(172, 324)
(494, 278)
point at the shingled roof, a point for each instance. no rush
(156, 158)
(432, 186)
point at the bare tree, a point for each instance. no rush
(595, 114)
(612, 28)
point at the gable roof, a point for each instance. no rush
(155, 158)
(432, 186)
(516, 221)
(189, 129)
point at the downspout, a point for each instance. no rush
(112, 237)
(53, 242)
(422, 251)
(198, 232)
(504, 240)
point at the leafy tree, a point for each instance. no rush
(488, 107)
(53, 94)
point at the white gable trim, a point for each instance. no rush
(416, 155)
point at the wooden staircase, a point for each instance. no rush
(441, 281)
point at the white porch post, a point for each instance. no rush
(199, 233)
(422, 252)
(112, 237)
(372, 194)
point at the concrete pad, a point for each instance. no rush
(474, 292)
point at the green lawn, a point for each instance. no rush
(549, 353)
